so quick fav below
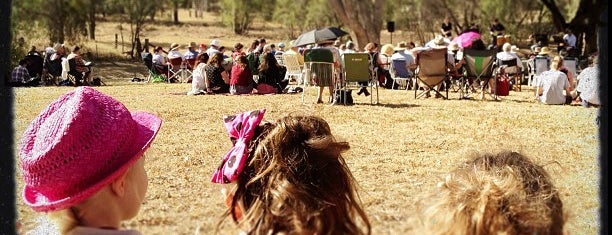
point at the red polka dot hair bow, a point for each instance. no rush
(241, 128)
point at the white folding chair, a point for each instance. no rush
(294, 69)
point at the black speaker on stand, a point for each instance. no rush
(391, 29)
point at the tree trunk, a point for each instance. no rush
(583, 25)
(92, 19)
(176, 7)
(363, 18)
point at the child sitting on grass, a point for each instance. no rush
(290, 178)
(82, 162)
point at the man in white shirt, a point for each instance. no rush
(401, 54)
(569, 38)
(174, 51)
(507, 54)
(214, 47)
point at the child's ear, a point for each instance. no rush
(118, 185)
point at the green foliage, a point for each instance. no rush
(239, 14)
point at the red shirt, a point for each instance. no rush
(240, 76)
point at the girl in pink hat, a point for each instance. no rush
(295, 168)
(82, 162)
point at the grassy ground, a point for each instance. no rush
(399, 148)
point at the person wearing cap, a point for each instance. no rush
(281, 49)
(214, 47)
(191, 53)
(92, 177)
(174, 52)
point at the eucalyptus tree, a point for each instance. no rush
(363, 18)
(61, 19)
(584, 22)
(135, 13)
(239, 14)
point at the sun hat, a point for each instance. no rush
(514, 49)
(215, 43)
(281, 45)
(192, 45)
(174, 46)
(401, 46)
(439, 41)
(78, 144)
(453, 46)
(544, 51)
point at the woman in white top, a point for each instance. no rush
(198, 86)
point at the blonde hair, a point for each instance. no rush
(297, 182)
(504, 193)
(556, 63)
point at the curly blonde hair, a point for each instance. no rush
(297, 182)
(505, 193)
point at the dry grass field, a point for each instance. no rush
(399, 148)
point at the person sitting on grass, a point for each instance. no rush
(503, 193)
(91, 186)
(198, 84)
(289, 177)
(21, 77)
(241, 79)
(271, 75)
(587, 90)
(216, 78)
(553, 86)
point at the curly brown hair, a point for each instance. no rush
(504, 193)
(296, 181)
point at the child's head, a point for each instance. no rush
(505, 193)
(83, 151)
(291, 178)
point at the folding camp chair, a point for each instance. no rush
(155, 75)
(319, 68)
(571, 64)
(294, 69)
(431, 71)
(400, 74)
(357, 70)
(479, 71)
(511, 70)
(537, 66)
(176, 69)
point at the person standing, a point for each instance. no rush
(447, 27)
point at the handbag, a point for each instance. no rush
(340, 95)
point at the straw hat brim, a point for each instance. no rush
(147, 127)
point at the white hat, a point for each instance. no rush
(215, 43)
(453, 46)
(514, 49)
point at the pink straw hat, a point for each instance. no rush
(81, 142)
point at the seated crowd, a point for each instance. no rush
(282, 176)
(47, 67)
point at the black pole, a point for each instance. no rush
(7, 173)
